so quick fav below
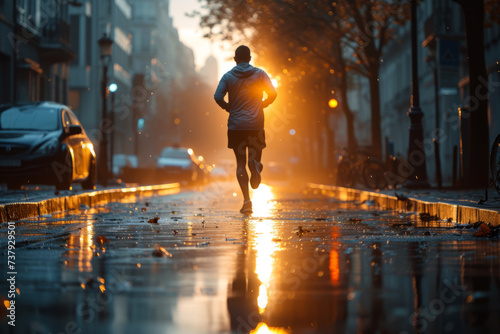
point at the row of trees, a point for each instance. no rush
(323, 39)
(319, 41)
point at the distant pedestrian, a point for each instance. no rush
(245, 85)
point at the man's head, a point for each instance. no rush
(242, 54)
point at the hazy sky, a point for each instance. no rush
(191, 34)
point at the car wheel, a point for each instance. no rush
(89, 182)
(64, 178)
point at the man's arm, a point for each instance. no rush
(271, 96)
(220, 92)
(223, 104)
(270, 91)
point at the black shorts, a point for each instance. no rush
(240, 139)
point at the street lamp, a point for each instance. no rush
(112, 89)
(333, 103)
(105, 44)
(416, 155)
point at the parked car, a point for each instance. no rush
(44, 143)
(181, 163)
(123, 160)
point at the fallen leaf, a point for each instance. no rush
(175, 232)
(144, 209)
(154, 220)
(102, 239)
(161, 252)
(484, 231)
(302, 231)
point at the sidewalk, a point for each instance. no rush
(458, 206)
(17, 207)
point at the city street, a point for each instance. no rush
(301, 263)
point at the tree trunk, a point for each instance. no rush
(352, 143)
(375, 112)
(477, 108)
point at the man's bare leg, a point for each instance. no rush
(241, 172)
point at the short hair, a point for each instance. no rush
(242, 53)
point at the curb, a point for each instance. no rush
(455, 213)
(17, 211)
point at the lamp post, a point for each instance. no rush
(105, 44)
(112, 89)
(416, 156)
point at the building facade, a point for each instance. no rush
(35, 52)
(443, 80)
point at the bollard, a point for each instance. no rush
(438, 164)
(454, 166)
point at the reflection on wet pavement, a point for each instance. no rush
(301, 263)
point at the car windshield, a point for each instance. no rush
(35, 118)
(176, 154)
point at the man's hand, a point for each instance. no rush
(223, 104)
(271, 96)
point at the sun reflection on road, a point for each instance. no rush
(263, 232)
(80, 247)
(262, 201)
(263, 329)
(264, 260)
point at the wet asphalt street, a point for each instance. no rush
(302, 263)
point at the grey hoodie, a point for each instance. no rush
(245, 85)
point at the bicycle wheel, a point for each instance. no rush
(374, 174)
(345, 175)
(495, 163)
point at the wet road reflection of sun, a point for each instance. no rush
(264, 260)
(81, 249)
(263, 231)
(263, 329)
(262, 201)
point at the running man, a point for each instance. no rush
(245, 85)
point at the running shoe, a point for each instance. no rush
(247, 207)
(255, 169)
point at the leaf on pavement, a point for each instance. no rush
(154, 220)
(161, 252)
(102, 239)
(484, 231)
(302, 231)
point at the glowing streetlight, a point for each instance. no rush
(333, 103)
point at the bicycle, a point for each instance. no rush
(359, 166)
(495, 169)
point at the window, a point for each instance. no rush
(66, 120)
(30, 117)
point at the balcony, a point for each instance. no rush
(55, 45)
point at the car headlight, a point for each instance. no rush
(49, 147)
